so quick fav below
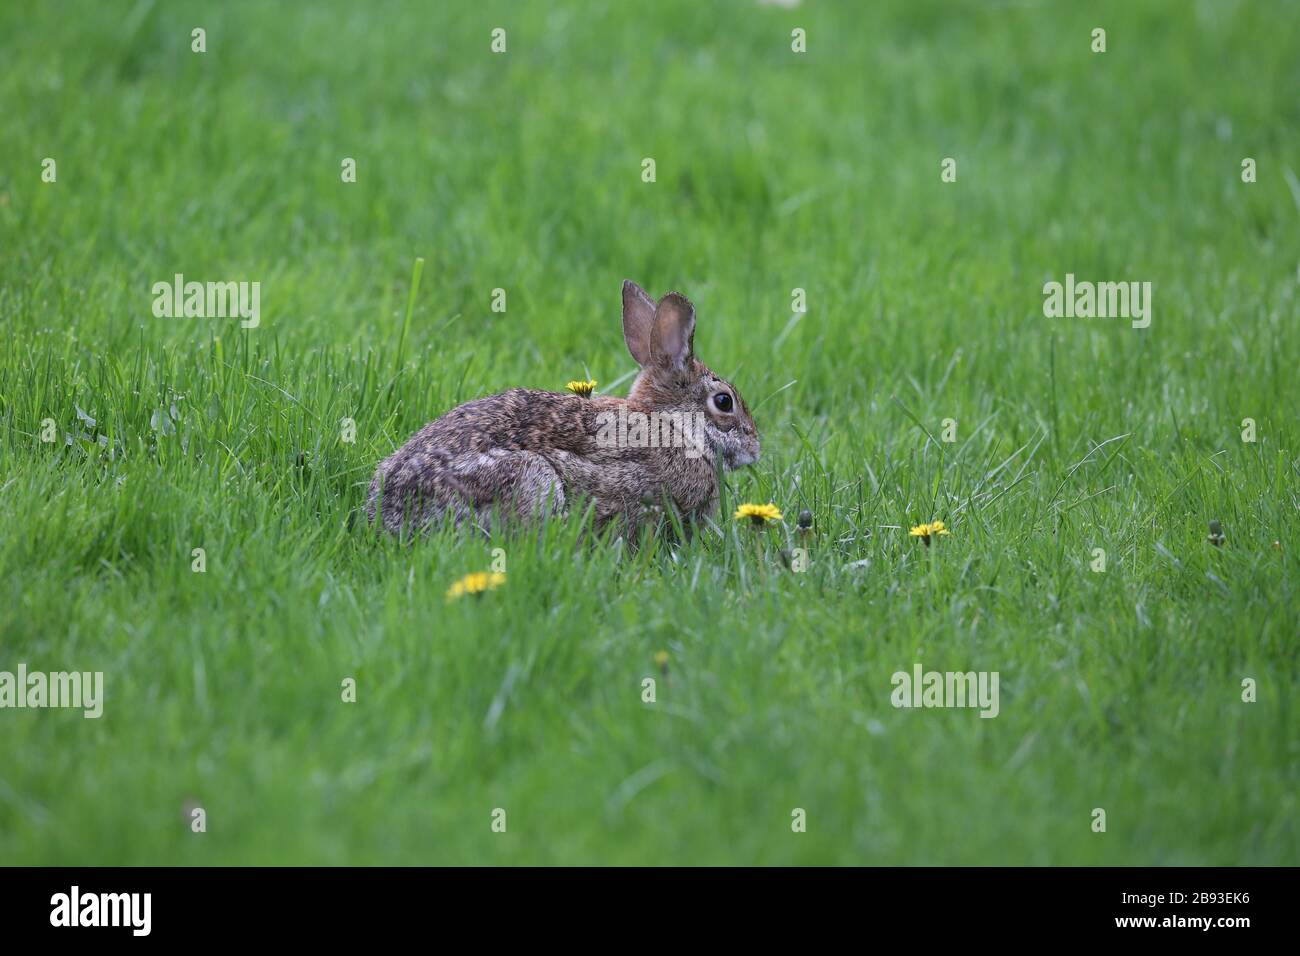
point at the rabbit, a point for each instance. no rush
(526, 454)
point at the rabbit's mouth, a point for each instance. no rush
(737, 450)
(738, 457)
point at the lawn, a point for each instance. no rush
(1121, 673)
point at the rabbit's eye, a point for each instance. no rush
(722, 401)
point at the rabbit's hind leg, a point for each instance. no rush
(521, 484)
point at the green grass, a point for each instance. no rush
(1119, 690)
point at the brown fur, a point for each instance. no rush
(525, 452)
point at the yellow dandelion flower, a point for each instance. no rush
(759, 514)
(476, 583)
(926, 531)
(661, 658)
(583, 389)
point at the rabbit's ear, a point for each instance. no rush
(672, 343)
(638, 321)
